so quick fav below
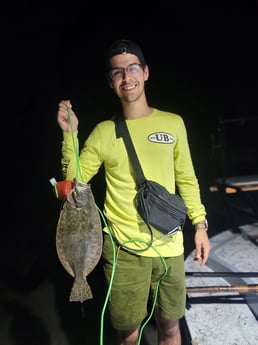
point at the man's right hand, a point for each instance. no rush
(66, 117)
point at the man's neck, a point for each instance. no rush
(136, 110)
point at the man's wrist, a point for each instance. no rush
(202, 225)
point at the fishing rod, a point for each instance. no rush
(221, 274)
(223, 288)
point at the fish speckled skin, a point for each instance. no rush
(79, 238)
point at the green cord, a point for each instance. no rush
(112, 276)
(56, 191)
(78, 171)
(111, 279)
(155, 296)
(157, 287)
(78, 167)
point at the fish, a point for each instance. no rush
(79, 238)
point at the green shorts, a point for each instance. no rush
(135, 281)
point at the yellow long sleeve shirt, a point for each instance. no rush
(161, 144)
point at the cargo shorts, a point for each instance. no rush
(134, 282)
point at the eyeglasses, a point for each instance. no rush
(118, 73)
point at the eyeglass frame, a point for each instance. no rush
(123, 70)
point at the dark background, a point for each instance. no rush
(203, 66)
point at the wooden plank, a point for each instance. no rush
(244, 183)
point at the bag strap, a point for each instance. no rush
(122, 131)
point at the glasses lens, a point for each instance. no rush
(134, 68)
(116, 73)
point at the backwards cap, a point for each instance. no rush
(123, 46)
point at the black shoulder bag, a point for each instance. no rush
(164, 211)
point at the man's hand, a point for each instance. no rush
(66, 118)
(202, 246)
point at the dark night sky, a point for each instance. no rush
(203, 65)
(203, 58)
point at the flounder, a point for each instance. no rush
(79, 238)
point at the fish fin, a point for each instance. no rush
(81, 290)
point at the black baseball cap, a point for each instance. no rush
(124, 46)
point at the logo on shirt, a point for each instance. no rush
(161, 137)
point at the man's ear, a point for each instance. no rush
(146, 72)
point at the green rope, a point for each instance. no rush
(76, 152)
(112, 277)
(79, 172)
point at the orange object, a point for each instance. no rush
(63, 188)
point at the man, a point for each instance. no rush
(139, 266)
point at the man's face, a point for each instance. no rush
(127, 77)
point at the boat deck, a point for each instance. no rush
(232, 318)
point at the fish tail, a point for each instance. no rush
(81, 290)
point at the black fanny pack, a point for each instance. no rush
(164, 211)
(159, 208)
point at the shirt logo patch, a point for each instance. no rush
(161, 138)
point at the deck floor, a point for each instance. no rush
(210, 321)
